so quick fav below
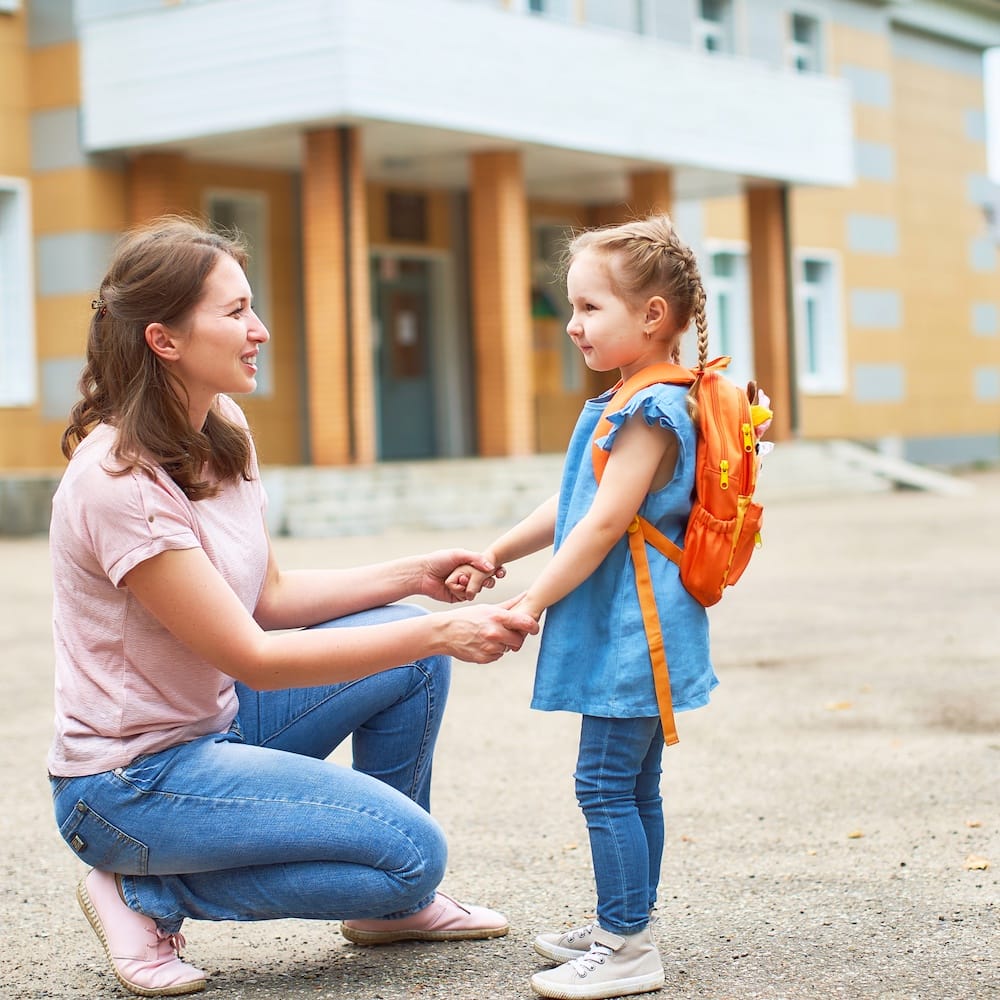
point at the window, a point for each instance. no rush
(18, 364)
(819, 328)
(246, 213)
(713, 26)
(728, 310)
(805, 53)
(560, 10)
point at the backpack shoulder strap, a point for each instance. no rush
(624, 391)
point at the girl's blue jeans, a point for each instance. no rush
(256, 824)
(618, 788)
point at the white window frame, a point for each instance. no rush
(259, 270)
(723, 32)
(736, 290)
(813, 55)
(820, 359)
(18, 358)
(10, 6)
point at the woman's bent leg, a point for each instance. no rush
(393, 717)
(258, 834)
(613, 755)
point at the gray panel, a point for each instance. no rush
(936, 51)
(875, 161)
(980, 190)
(863, 16)
(59, 383)
(953, 451)
(872, 234)
(50, 22)
(975, 124)
(985, 319)
(868, 86)
(55, 140)
(879, 383)
(986, 381)
(983, 254)
(878, 307)
(70, 263)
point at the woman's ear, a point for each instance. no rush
(161, 342)
(657, 313)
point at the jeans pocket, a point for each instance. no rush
(101, 844)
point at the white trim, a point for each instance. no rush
(822, 49)
(10, 6)
(831, 378)
(18, 360)
(259, 269)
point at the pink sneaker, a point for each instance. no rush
(143, 958)
(443, 920)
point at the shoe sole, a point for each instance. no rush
(357, 936)
(90, 912)
(619, 988)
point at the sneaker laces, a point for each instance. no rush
(176, 942)
(586, 964)
(579, 932)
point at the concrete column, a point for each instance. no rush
(501, 304)
(769, 291)
(157, 185)
(651, 192)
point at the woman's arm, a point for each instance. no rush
(296, 598)
(187, 595)
(643, 457)
(530, 534)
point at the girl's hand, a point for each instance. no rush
(482, 634)
(445, 575)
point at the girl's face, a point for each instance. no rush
(218, 347)
(609, 332)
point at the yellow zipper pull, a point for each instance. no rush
(747, 438)
(724, 474)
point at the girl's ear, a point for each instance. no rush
(161, 342)
(657, 313)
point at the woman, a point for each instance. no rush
(194, 707)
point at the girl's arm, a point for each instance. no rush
(530, 534)
(187, 595)
(643, 458)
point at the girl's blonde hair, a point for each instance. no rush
(157, 274)
(646, 257)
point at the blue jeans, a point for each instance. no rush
(256, 824)
(618, 788)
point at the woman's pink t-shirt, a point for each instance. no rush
(124, 686)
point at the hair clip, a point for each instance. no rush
(101, 306)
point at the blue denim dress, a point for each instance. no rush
(593, 657)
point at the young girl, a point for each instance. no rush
(634, 289)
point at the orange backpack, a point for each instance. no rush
(724, 527)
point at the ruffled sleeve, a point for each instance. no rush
(660, 404)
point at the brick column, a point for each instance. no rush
(157, 185)
(769, 292)
(501, 304)
(651, 192)
(323, 261)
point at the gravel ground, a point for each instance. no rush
(832, 817)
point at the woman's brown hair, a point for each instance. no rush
(157, 274)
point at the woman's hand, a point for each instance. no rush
(441, 573)
(484, 633)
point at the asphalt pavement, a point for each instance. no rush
(833, 818)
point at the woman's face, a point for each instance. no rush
(217, 348)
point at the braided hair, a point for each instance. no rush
(646, 257)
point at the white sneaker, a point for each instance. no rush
(613, 967)
(570, 944)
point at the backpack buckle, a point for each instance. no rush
(634, 526)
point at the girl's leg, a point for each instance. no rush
(650, 805)
(614, 773)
